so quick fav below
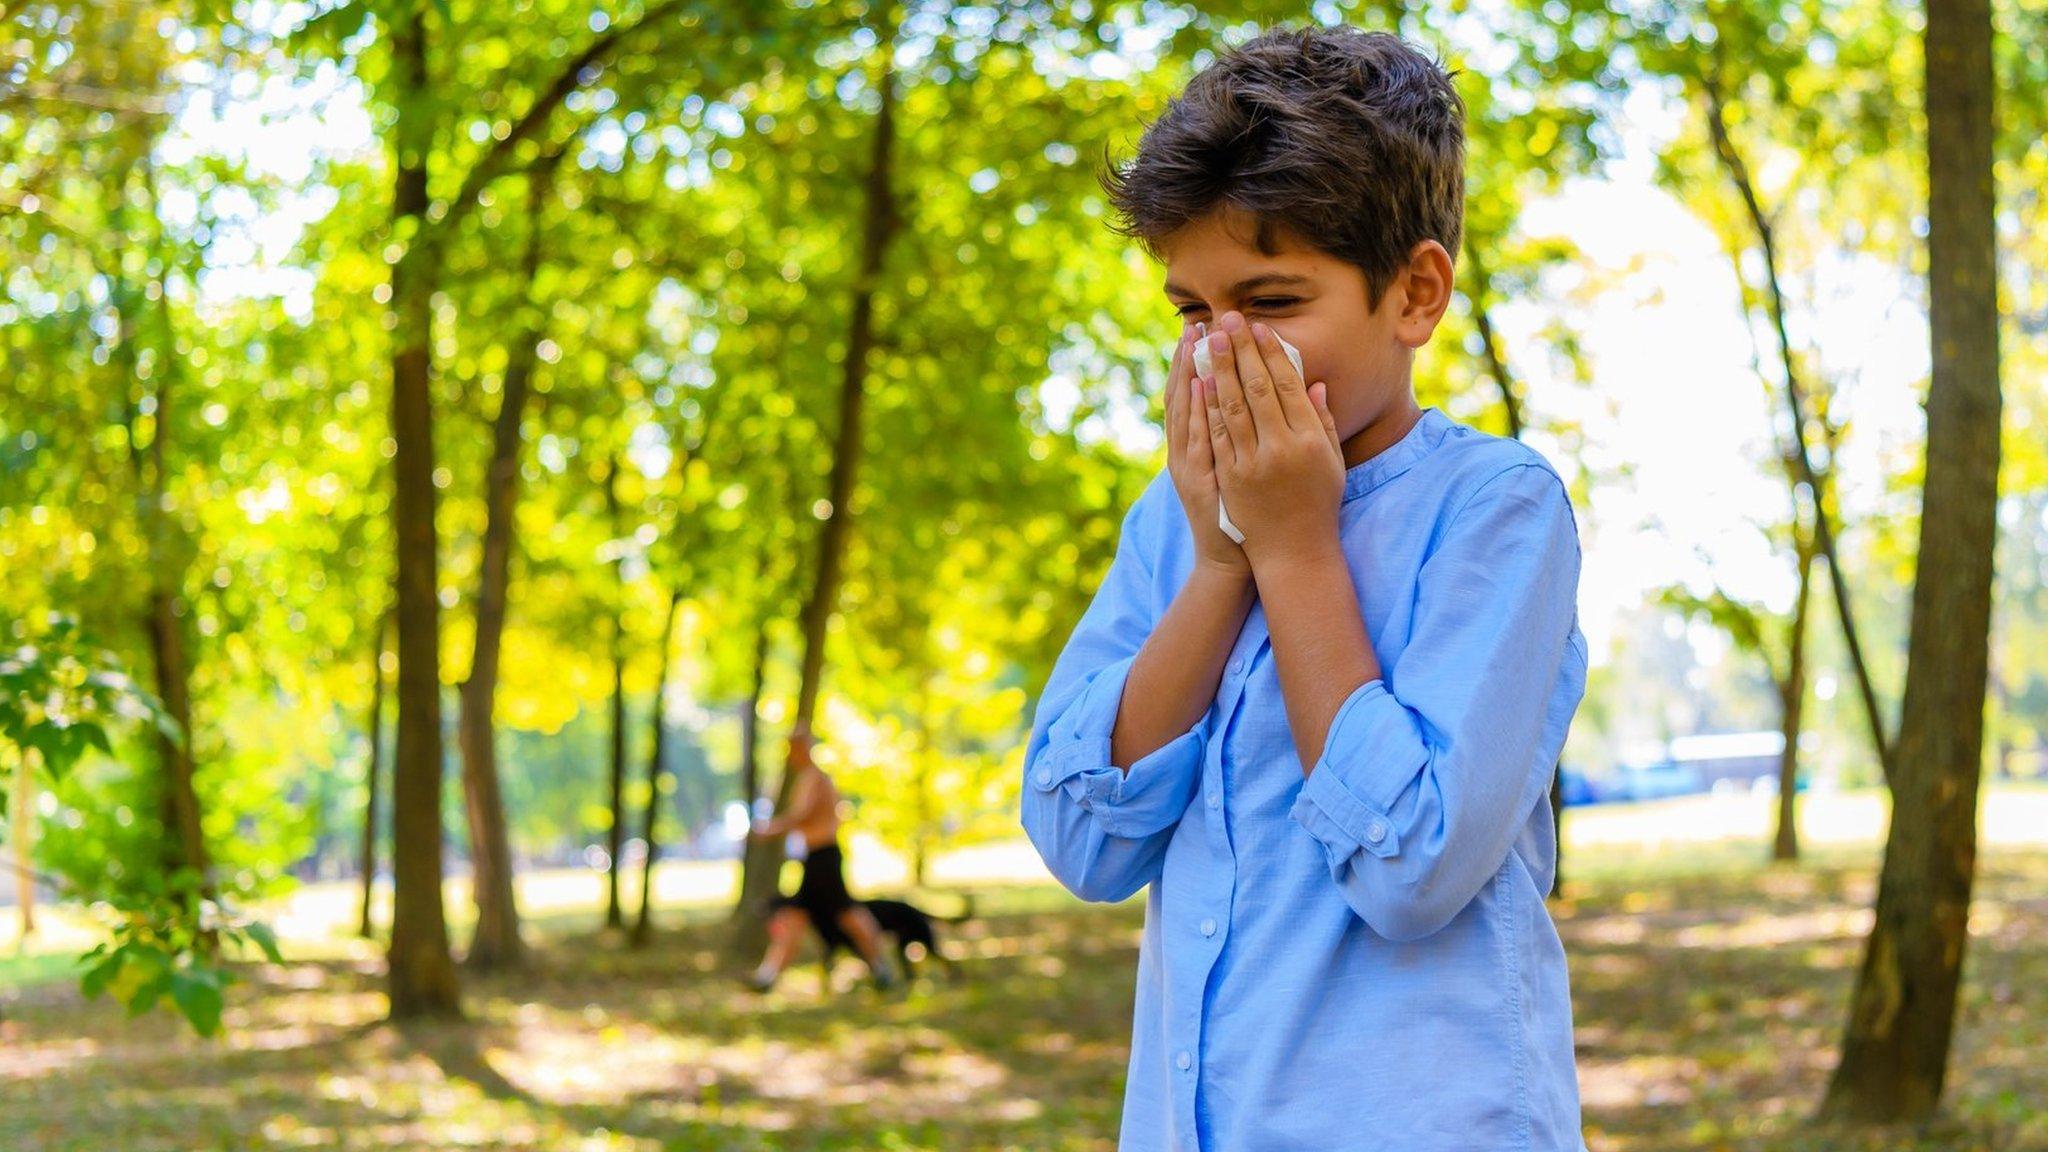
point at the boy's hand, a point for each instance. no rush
(1193, 469)
(1277, 459)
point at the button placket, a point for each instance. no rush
(1228, 700)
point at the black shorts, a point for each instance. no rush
(822, 892)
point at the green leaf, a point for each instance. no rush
(328, 29)
(265, 939)
(93, 983)
(149, 991)
(96, 736)
(196, 992)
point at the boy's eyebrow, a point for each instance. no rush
(1243, 286)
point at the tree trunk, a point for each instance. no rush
(764, 856)
(752, 931)
(1792, 702)
(750, 721)
(615, 836)
(496, 942)
(186, 841)
(1824, 533)
(643, 927)
(1802, 477)
(184, 844)
(1902, 1014)
(374, 774)
(422, 979)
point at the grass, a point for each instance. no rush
(1709, 997)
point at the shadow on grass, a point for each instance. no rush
(1708, 1012)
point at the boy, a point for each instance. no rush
(1327, 750)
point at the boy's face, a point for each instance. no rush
(1317, 302)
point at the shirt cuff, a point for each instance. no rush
(1152, 796)
(1371, 751)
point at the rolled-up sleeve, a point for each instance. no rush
(1101, 830)
(1428, 772)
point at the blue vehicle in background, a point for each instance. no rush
(1578, 789)
(1719, 762)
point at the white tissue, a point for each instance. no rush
(1203, 367)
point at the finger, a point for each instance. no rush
(1200, 456)
(1221, 450)
(1320, 393)
(1232, 412)
(1176, 389)
(1289, 389)
(1256, 377)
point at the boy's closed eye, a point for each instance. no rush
(1263, 304)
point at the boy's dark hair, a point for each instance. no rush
(1353, 141)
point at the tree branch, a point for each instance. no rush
(495, 161)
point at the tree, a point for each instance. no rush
(496, 942)
(422, 979)
(1902, 1012)
(657, 776)
(1760, 89)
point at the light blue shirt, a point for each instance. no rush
(1360, 959)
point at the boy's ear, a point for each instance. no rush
(1424, 293)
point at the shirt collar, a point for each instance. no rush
(1396, 458)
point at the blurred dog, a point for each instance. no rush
(909, 928)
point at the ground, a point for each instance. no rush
(1709, 994)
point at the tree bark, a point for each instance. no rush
(615, 836)
(750, 721)
(1902, 1013)
(184, 844)
(1792, 700)
(764, 856)
(496, 942)
(643, 927)
(374, 774)
(751, 930)
(422, 979)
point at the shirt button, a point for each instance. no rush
(1215, 800)
(1375, 831)
(1045, 775)
(1184, 1060)
(1237, 666)
(1208, 927)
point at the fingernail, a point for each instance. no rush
(1232, 321)
(1261, 331)
(1219, 343)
